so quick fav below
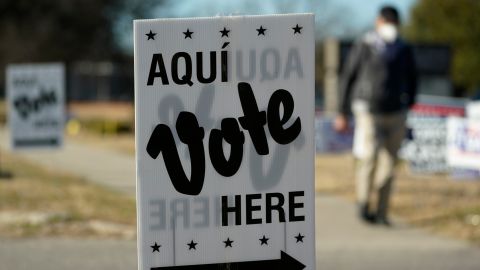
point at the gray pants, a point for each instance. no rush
(379, 138)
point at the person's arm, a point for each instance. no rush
(411, 77)
(347, 79)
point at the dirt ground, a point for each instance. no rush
(103, 110)
(37, 202)
(434, 202)
(122, 143)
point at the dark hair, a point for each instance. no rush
(390, 14)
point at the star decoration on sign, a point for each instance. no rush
(224, 32)
(263, 240)
(299, 237)
(228, 243)
(192, 245)
(297, 29)
(261, 30)
(155, 247)
(188, 34)
(150, 35)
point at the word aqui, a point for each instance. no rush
(182, 66)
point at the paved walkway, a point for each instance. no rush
(342, 241)
(67, 254)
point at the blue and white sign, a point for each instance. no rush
(463, 143)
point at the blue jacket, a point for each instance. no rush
(382, 74)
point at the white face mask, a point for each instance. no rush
(388, 32)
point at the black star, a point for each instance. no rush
(150, 35)
(228, 243)
(188, 34)
(261, 30)
(224, 32)
(192, 245)
(297, 29)
(299, 237)
(156, 247)
(264, 240)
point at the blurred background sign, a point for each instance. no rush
(426, 146)
(473, 110)
(36, 105)
(463, 143)
(327, 140)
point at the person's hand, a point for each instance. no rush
(340, 124)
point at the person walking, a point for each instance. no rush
(378, 85)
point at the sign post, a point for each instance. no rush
(36, 105)
(224, 111)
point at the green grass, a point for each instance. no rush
(74, 202)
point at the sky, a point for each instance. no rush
(354, 14)
(340, 18)
(367, 9)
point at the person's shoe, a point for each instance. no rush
(383, 221)
(365, 215)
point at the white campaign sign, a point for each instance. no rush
(426, 150)
(463, 143)
(224, 111)
(36, 105)
(473, 110)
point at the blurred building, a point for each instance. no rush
(99, 81)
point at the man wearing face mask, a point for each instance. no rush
(378, 84)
